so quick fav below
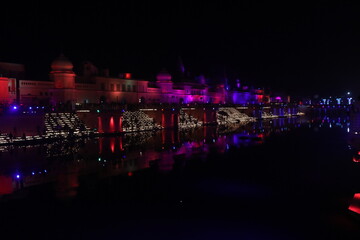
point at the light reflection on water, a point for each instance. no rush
(62, 163)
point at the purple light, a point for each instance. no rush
(17, 176)
(14, 107)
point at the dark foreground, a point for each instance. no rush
(296, 185)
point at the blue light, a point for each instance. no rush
(15, 107)
(45, 171)
(32, 173)
(30, 108)
(17, 176)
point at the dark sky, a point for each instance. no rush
(303, 49)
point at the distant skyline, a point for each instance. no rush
(302, 49)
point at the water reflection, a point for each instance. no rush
(62, 163)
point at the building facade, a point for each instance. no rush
(64, 86)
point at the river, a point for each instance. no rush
(290, 178)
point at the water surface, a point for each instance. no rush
(290, 178)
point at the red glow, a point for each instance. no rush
(355, 205)
(359, 153)
(127, 75)
(100, 128)
(130, 174)
(112, 145)
(112, 125)
(5, 185)
(120, 124)
(356, 160)
(121, 143)
(163, 120)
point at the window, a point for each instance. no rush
(123, 88)
(103, 86)
(112, 87)
(41, 93)
(117, 87)
(128, 88)
(134, 88)
(46, 93)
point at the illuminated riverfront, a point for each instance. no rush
(179, 120)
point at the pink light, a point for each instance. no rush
(112, 145)
(112, 125)
(278, 98)
(355, 205)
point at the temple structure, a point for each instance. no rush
(65, 86)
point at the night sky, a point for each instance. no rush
(301, 49)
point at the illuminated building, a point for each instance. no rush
(65, 87)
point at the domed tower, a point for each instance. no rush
(163, 81)
(62, 73)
